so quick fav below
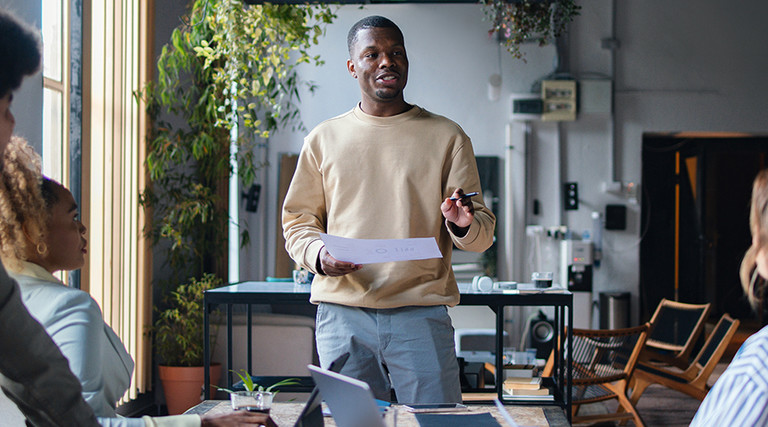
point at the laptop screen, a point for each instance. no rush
(312, 413)
(350, 400)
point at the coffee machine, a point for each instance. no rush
(576, 263)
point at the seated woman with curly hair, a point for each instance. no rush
(41, 233)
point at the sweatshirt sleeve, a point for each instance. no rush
(463, 173)
(147, 421)
(304, 212)
(191, 420)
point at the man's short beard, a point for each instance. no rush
(384, 94)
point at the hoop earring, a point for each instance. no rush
(753, 287)
(42, 248)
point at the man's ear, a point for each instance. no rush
(351, 68)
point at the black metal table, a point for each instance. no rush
(287, 293)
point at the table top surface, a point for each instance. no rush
(288, 291)
(286, 413)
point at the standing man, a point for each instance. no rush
(386, 170)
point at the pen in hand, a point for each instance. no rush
(465, 196)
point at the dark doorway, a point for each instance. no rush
(695, 216)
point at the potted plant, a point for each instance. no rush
(227, 78)
(178, 337)
(229, 66)
(521, 21)
(255, 397)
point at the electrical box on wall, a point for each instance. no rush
(559, 100)
(525, 107)
(571, 196)
(595, 96)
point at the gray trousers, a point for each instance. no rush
(410, 349)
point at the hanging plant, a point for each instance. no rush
(228, 66)
(524, 21)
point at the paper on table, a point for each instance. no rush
(371, 251)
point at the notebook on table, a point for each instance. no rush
(483, 419)
(312, 413)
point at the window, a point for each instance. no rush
(55, 96)
(93, 142)
(55, 93)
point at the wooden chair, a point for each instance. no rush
(675, 327)
(693, 380)
(603, 363)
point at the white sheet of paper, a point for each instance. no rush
(371, 251)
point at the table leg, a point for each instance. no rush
(569, 365)
(206, 351)
(229, 346)
(249, 325)
(499, 350)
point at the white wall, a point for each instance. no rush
(451, 58)
(686, 66)
(680, 66)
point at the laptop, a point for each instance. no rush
(350, 400)
(312, 413)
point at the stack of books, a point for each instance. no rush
(520, 384)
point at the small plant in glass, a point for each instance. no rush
(255, 398)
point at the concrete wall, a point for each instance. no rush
(679, 66)
(451, 58)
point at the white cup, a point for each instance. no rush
(302, 277)
(254, 401)
(542, 279)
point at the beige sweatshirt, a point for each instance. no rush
(368, 177)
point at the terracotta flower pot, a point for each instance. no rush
(183, 385)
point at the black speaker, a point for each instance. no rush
(252, 198)
(615, 217)
(541, 335)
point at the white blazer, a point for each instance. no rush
(73, 319)
(96, 355)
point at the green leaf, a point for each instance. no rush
(219, 42)
(246, 379)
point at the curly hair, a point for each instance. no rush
(23, 209)
(20, 50)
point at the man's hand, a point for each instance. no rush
(333, 267)
(237, 418)
(459, 213)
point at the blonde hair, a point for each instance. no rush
(23, 212)
(751, 282)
